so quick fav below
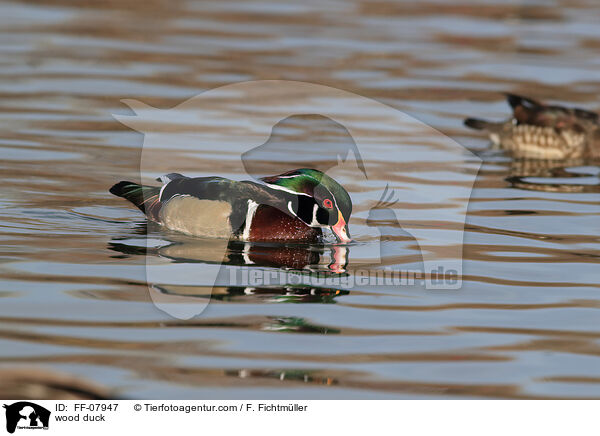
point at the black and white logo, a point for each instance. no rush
(26, 415)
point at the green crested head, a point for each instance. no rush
(322, 202)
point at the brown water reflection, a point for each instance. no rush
(76, 309)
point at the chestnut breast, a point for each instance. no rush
(271, 224)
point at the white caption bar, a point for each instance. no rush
(298, 417)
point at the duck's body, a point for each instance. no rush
(538, 131)
(293, 206)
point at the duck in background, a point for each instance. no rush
(539, 131)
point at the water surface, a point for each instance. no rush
(525, 323)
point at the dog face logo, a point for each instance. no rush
(26, 415)
(245, 118)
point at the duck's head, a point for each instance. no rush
(318, 200)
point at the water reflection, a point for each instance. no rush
(322, 258)
(248, 294)
(32, 383)
(554, 175)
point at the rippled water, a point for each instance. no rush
(75, 299)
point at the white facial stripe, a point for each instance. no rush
(314, 222)
(290, 208)
(334, 200)
(314, 219)
(281, 188)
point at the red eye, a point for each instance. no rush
(327, 203)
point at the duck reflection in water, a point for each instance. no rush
(321, 259)
(314, 257)
(572, 175)
(252, 295)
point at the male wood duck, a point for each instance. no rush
(539, 131)
(293, 206)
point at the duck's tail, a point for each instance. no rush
(479, 124)
(145, 198)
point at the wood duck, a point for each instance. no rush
(539, 131)
(293, 206)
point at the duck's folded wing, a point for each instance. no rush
(529, 111)
(218, 189)
(204, 188)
